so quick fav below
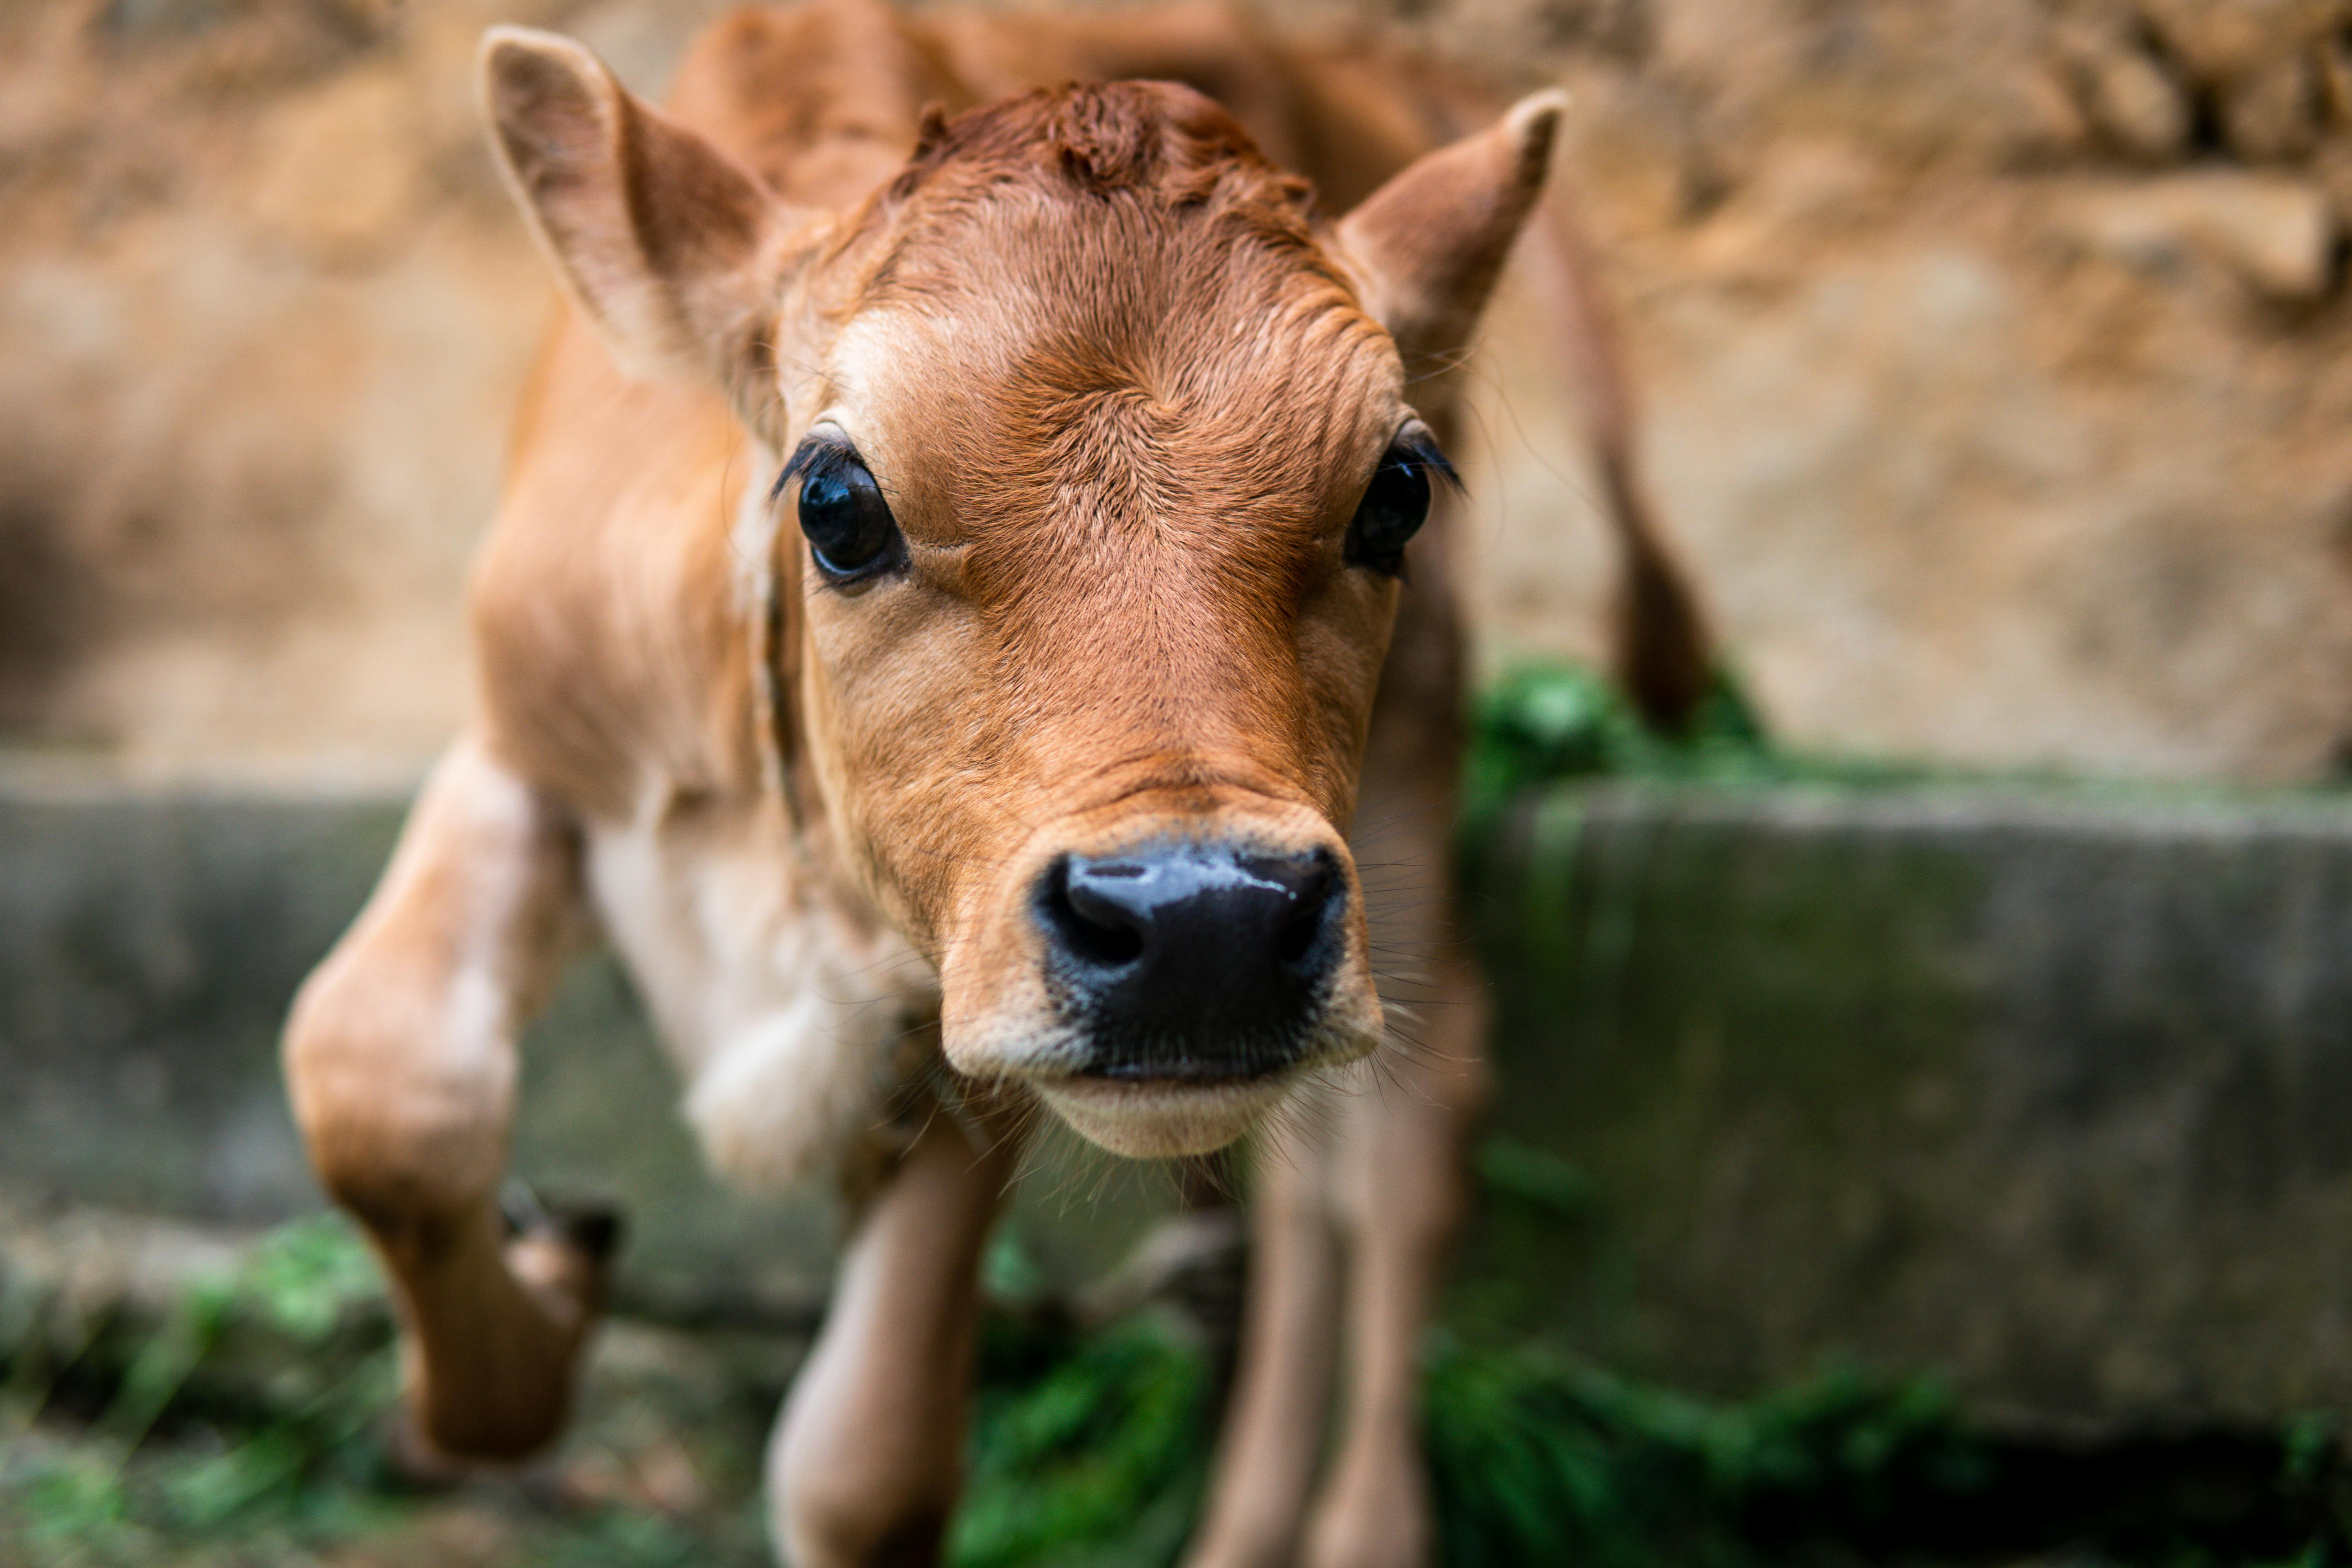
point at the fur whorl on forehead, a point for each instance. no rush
(1145, 137)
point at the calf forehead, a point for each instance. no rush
(1101, 363)
(1074, 292)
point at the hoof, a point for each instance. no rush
(562, 1254)
(590, 1229)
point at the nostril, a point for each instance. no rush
(1305, 922)
(1300, 936)
(1089, 926)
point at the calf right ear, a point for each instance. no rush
(1428, 244)
(668, 244)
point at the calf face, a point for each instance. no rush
(1104, 470)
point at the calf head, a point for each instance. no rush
(1104, 465)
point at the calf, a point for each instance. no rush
(963, 561)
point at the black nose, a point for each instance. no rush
(1193, 960)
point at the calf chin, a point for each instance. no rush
(1160, 1119)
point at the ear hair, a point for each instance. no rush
(666, 242)
(1428, 244)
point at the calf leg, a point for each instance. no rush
(868, 1457)
(1383, 1166)
(1274, 1425)
(1403, 1196)
(400, 1061)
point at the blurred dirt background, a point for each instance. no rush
(1993, 352)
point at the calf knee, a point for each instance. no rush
(841, 1492)
(402, 1100)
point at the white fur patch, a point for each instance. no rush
(794, 1032)
(790, 1097)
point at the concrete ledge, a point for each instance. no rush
(2050, 1094)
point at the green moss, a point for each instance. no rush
(1542, 723)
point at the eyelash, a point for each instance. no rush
(1420, 445)
(816, 457)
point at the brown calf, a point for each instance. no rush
(941, 611)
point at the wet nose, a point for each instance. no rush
(1193, 960)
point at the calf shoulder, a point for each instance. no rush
(611, 633)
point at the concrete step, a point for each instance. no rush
(2047, 1092)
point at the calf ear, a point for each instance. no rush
(665, 241)
(1428, 244)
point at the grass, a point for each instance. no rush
(159, 1442)
(1541, 723)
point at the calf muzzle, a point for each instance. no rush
(1193, 961)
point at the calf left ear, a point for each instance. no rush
(1428, 244)
(666, 243)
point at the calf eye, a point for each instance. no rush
(850, 530)
(1396, 502)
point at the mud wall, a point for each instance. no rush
(1993, 355)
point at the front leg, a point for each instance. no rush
(1402, 1194)
(1273, 1436)
(400, 1064)
(1377, 1165)
(868, 1457)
